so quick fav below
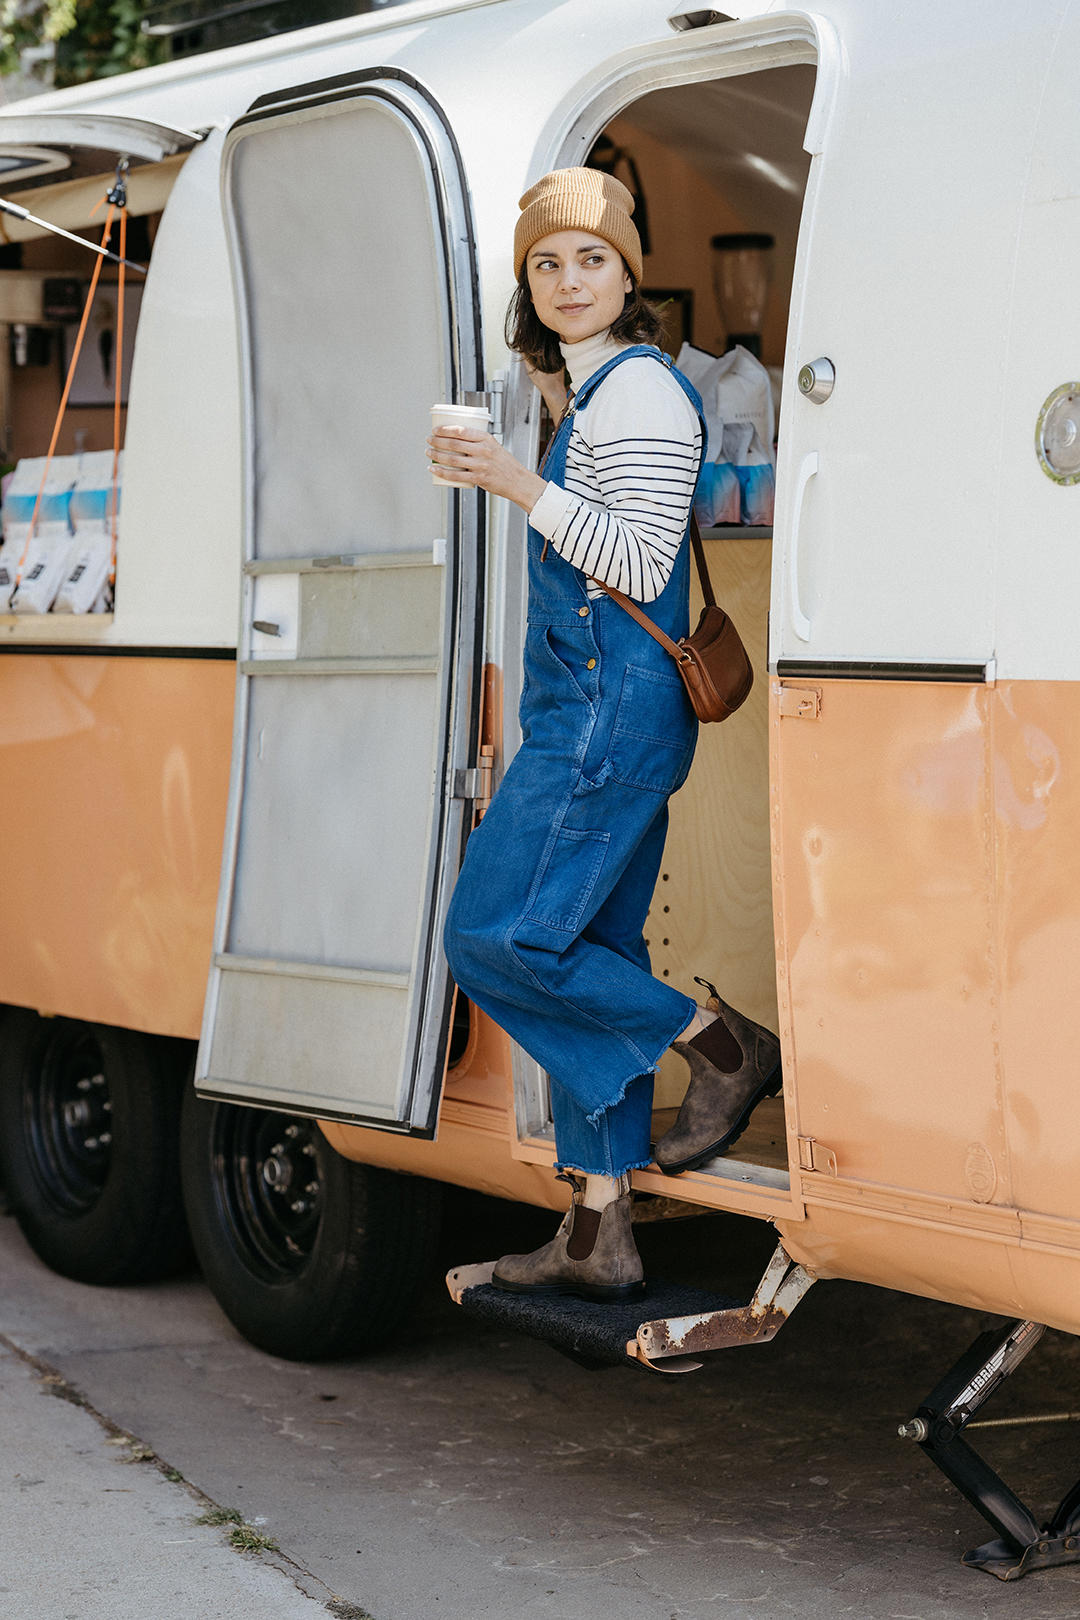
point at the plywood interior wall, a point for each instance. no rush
(712, 911)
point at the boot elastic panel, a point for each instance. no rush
(582, 1240)
(719, 1046)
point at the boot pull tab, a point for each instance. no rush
(713, 992)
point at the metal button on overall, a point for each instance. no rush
(545, 926)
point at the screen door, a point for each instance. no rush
(358, 685)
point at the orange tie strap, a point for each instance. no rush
(64, 399)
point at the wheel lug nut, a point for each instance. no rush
(91, 1142)
(299, 1207)
(278, 1147)
(105, 1138)
(84, 1085)
(312, 1187)
(292, 1130)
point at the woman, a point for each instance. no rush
(545, 927)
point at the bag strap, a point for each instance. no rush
(669, 646)
(699, 558)
(643, 619)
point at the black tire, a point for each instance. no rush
(310, 1256)
(89, 1146)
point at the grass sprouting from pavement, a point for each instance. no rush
(221, 1516)
(246, 1539)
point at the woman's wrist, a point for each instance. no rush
(525, 488)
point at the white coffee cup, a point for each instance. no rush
(472, 416)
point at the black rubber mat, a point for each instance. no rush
(592, 1335)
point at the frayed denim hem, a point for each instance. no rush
(643, 1164)
(593, 1119)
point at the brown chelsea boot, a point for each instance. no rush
(733, 1065)
(593, 1255)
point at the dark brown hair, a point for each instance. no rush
(537, 344)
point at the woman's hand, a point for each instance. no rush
(552, 385)
(479, 460)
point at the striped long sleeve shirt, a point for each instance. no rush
(631, 466)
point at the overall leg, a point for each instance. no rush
(564, 970)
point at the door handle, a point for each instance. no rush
(799, 622)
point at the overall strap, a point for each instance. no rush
(574, 403)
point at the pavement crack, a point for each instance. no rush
(248, 1542)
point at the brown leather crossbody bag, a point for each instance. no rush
(713, 662)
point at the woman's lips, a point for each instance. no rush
(572, 309)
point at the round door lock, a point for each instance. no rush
(816, 380)
(1057, 435)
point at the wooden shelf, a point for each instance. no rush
(739, 531)
(66, 629)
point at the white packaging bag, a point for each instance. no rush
(738, 479)
(43, 571)
(86, 579)
(10, 552)
(47, 553)
(21, 493)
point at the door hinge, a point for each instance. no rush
(800, 702)
(492, 398)
(813, 1155)
(475, 782)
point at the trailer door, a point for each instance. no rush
(352, 249)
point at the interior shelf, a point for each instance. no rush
(738, 531)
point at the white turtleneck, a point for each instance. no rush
(631, 467)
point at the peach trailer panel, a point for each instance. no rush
(928, 855)
(113, 774)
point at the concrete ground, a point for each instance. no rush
(462, 1475)
(88, 1529)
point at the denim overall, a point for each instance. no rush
(545, 926)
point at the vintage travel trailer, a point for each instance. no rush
(313, 663)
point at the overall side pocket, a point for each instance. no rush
(654, 731)
(560, 908)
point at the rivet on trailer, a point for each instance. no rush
(876, 858)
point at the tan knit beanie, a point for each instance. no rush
(578, 200)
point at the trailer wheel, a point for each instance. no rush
(89, 1138)
(310, 1256)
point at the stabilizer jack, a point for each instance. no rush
(1021, 1544)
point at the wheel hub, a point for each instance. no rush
(68, 1113)
(268, 1183)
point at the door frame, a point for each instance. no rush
(724, 50)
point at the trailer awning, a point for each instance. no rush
(58, 164)
(51, 148)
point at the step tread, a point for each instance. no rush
(591, 1333)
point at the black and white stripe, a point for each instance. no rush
(631, 467)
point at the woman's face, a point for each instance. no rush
(578, 283)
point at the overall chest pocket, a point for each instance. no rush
(652, 740)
